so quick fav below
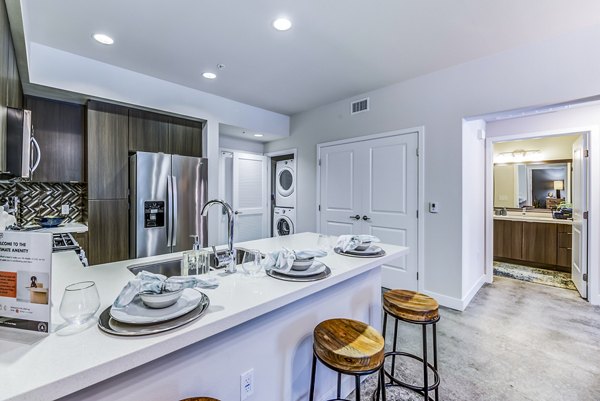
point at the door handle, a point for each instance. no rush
(237, 212)
(169, 211)
(366, 218)
(357, 217)
(175, 201)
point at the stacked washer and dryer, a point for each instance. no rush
(284, 212)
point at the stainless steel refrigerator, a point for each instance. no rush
(166, 194)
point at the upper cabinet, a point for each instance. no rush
(107, 145)
(152, 132)
(148, 132)
(59, 130)
(185, 137)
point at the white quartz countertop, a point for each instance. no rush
(45, 367)
(534, 219)
(65, 228)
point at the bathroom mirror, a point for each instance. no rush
(541, 185)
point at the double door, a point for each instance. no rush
(370, 187)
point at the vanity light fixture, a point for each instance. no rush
(102, 38)
(209, 75)
(520, 153)
(282, 24)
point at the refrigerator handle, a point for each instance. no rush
(174, 184)
(169, 210)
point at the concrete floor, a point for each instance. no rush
(516, 341)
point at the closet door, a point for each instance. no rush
(250, 196)
(340, 190)
(389, 201)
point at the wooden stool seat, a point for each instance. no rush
(411, 305)
(349, 345)
(200, 399)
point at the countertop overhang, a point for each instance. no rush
(43, 367)
(534, 219)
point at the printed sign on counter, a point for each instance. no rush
(25, 274)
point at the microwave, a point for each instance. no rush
(22, 150)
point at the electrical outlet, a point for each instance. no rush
(64, 209)
(246, 384)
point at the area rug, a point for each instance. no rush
(534, 275)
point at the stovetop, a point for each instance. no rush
(63, 242)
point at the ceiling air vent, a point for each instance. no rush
(359, 106)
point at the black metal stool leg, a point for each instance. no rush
(395, 341)
(339, 385)
(382, 381)
(312, 378)
(435, 365)
(425, 369)
(357, 386)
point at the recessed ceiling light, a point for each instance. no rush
(258, 135)
(102, 38)
(209, 75)
(282, 24)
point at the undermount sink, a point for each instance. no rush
(172, 267)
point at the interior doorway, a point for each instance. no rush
(540, 208)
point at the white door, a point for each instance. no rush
(250, 196)
(389, 202)
(579, 188)
(340, 190)
(371, 187)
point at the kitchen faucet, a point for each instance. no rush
(228, 258)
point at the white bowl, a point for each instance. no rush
(162, 300)
(363, 246)
(302, 264)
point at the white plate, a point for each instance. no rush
(137, 313)
(316, 268)
(372, 250)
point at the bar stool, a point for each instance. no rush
(348, 347)
(415, 308)
(200, 399)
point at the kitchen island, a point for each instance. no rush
(252, 323)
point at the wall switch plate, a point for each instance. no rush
(246, 384)
(64, 209)
(433, 207)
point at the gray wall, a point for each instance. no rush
(243, 145)
(561, 69)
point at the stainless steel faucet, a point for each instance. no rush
(228, 258)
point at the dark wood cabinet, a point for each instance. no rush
(153, 132)
(82, 240)
(148, 132)
(59, 130)
(185, 137)
(508, 239)
(565, 243)
(108, 235)
(107, 151)
(539, 243)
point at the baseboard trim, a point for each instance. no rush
(473, 291)
(459, 304)
(445, 300)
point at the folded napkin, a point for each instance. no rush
(6, 220)
(350, 242)
(283, 259)
(157, 283)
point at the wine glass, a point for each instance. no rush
(325, 242)
(80, 302)
(251, 263)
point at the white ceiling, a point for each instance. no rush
(335, 49)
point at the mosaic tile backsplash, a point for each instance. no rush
(43, 199)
